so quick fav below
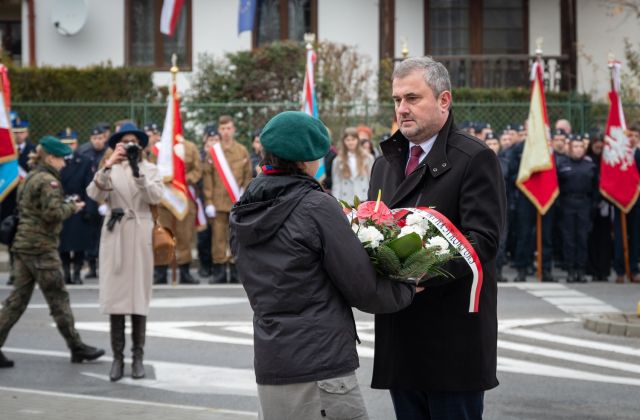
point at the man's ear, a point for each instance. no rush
(445, 101)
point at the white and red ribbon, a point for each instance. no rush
(224, 170)
(458, 241)
(169, 16)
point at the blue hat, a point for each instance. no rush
(18, 125)
(129, 128)
(68, 135)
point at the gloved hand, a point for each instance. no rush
(210, 211)
(103, 209)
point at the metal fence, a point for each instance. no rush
(51, 118)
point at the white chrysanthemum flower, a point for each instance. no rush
(371, 235)
(417, 220)
(440, 243)
(406, 230)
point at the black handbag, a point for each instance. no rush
(8, 229)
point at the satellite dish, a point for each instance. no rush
(69, 16)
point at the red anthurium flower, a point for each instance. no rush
(381, 215)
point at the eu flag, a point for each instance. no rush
(246, 11)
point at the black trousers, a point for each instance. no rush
(424, 405)
(575, 228)
(600, 246)
(204, 246)
(525, 225)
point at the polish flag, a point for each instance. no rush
(170, 13)
(170, 164)
(619, 178)
(9, 168)
(537, 177)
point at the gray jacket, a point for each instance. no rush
(303, 269)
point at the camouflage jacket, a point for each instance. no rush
(42, 210)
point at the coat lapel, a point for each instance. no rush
(396, 149)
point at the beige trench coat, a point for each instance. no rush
(126, 254)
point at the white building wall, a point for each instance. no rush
(410, 27)
(99, 41)
(544, 22)
(599, 33)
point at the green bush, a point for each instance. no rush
(102, 83)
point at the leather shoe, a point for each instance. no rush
(4, 362)
(85, 352)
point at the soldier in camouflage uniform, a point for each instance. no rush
(42, 209)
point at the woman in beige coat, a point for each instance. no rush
(129, 185)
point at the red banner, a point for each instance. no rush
(619, 178)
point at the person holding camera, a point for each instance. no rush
(129, 185)
(42, 208)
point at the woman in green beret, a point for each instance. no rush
(42, 208)
(303, 269)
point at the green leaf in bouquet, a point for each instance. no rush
(356, 201)
(388, 261)
(406, 245)
(345, 205)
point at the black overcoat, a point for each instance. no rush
(436, 344)
(76, 177)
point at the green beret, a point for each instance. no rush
(295, 136)
(53, 146)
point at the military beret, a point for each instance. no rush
(295, 136)
(54, 146)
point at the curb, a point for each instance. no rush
(627, 326)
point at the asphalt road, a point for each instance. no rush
(199, 359)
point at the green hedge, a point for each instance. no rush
(93, 84)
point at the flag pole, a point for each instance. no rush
(623, 215)
(538, 213)
(174, 262)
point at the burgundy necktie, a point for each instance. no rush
(414, 160)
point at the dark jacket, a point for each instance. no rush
(578, 183)
(436, 344)
(303, 268)
(76, 230)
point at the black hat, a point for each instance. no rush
(559, 132)
(153, 127)
(489, 136)
(129, 128)
(98, 129)
(211, 130)
(586, 136)
(574, 137)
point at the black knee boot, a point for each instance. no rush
(138, 334)
(117, 346)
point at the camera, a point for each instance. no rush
(133, 152)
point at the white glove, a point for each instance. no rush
(103, 209)
(210, 211)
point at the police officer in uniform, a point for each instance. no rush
(42, 210)
(578, 183)
(185, 228)
(76, 231)
(218, 202)
(20, 129)
(94, 151)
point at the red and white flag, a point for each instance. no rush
(171, 160)
(169, 17)
(8, 149)
(537, 177)
(619, 178)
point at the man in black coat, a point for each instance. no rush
(437, 357)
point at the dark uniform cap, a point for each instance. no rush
(129, 128)
(18, 124)
(560, 132)
(153, 127)
(586, 136)
(521, 127)
(295, 136)
(55, 146)
(105, 125)
(574, 137)
(98, 129)
(68, 135)
(489, 136)
(211, 130)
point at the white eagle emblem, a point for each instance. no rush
(617, 149)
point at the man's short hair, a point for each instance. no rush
(435, 73)
(225, 119)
